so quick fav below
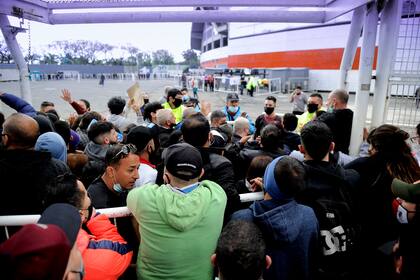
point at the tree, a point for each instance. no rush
(5, 55)
(30, 59)
(162, 57)
(77, 52)
(191, 58)
(144, 59)
(49, 58)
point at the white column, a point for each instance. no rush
(387, 43)
(365, 77)
(351, 46)
(12, 44)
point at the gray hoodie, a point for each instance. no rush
(95, 151)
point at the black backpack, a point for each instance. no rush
(339, 231)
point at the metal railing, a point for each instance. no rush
(112, 213)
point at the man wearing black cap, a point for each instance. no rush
(180, 221)
(233, 111)
(142, 138)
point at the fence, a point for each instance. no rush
(404, 85)
(112, 213)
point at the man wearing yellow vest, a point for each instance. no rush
(314, 108)
(174, 103)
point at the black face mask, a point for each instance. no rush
(268, 110)
(312, 108)
(177, 102)
(146, 101)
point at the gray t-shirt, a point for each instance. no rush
(299, 102)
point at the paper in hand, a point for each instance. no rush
(135, 95)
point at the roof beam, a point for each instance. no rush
(184, 3)
(188, 16)
(337, 8)
(32, 10)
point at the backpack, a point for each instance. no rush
(339, 231)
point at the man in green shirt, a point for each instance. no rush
(180, 221)
(174, 102)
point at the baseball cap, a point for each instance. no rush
(139, 136)
(183, 161)
(406, 191)
(232, 97)
(41, 251)
(65, 216)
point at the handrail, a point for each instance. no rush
(116, 212)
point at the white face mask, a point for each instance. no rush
(248, 185)
(402, 215)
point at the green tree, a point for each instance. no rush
(191, 58)
(5, 55)
(144, 59)
(49, 58)
(162, 57)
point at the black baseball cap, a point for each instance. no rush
(139, 136)
(183, 161)
(65, 216)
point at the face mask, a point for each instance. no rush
(177, 102)
(268, 110)
(146, 101)
(248, 185)
(233, 109)
(330, 109)
(312, 108)
(402, 215)
(117, 188)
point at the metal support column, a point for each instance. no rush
(10, 37)
(365, 77)
(351, 46)
(387, 43)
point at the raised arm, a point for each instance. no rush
(18, 104)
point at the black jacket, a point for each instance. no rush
(220, 170)
(24, 175)
(340, 123)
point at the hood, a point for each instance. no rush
(44, 124)
(280, 223)
(95, 151)
(184, 212)
(53, 143)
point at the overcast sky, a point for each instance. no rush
(174, 37)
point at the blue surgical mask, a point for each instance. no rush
(117, 188)
(330, 109)
(233, 109)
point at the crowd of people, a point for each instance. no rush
(180, 170)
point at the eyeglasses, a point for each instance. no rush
(125, 151)
(414, 139)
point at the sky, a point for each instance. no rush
(175, 37)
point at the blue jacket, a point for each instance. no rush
(290, 231)
(18, 104)
(229, 117)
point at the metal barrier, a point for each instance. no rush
(404, 82)
(117, 212)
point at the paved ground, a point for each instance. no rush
(98, 96)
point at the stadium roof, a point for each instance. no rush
(103, 11)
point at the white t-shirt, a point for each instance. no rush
(147, 174)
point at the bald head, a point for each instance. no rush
(338, 99)
(20, 132)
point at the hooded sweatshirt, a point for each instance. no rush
(53, 143)
(290, 231)
(179, 232)
(95, 151)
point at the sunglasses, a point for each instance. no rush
(125, 151)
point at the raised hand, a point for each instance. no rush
(66, 95)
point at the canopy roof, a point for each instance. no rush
(103, 11)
